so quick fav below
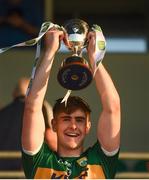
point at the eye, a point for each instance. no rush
(80, 120)
(66, 119)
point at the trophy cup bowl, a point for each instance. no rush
(75, 73)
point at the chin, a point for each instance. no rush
(71, 145)
(74, 145)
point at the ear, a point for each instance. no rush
(88, 126)
(53, 122)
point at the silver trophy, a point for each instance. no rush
(75, 73)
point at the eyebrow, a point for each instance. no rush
(67, 116)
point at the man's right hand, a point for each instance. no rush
(52, 39)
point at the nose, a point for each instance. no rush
(73, 124)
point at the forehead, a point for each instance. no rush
(76, 113)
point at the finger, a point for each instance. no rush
(90, 35)
(61, 35)
(66, 41)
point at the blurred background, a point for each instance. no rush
(125, 25)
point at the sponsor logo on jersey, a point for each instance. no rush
(82, 162)
(91, 172)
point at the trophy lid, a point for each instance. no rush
(76, 30)
(78, 26)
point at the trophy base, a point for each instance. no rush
(74, 76)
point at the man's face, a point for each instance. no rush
(71, 129)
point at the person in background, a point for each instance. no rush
(14, 17)
(50, 135)
(11, 125)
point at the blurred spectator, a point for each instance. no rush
(142, 166)
(15, 18)
(20, 20)
(11, 125)
(50, 135)
(122, 166)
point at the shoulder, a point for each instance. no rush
(31, 161)
(43, 149)
(96, 149)
(97, 156)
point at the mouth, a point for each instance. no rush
(70, 134)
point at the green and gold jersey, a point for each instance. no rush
(92, 164)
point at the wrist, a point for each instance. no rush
(49, 54)
(96, 67)
(92, 63)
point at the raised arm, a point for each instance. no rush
(108, 129)
(33, 122)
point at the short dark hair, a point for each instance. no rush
(73, 103)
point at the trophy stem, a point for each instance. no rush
(76, 50)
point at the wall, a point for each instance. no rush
(130, 74)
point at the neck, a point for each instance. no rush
(70, 152)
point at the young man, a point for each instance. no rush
(71, 123)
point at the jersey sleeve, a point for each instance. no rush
(30, 162)
(108, 163)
